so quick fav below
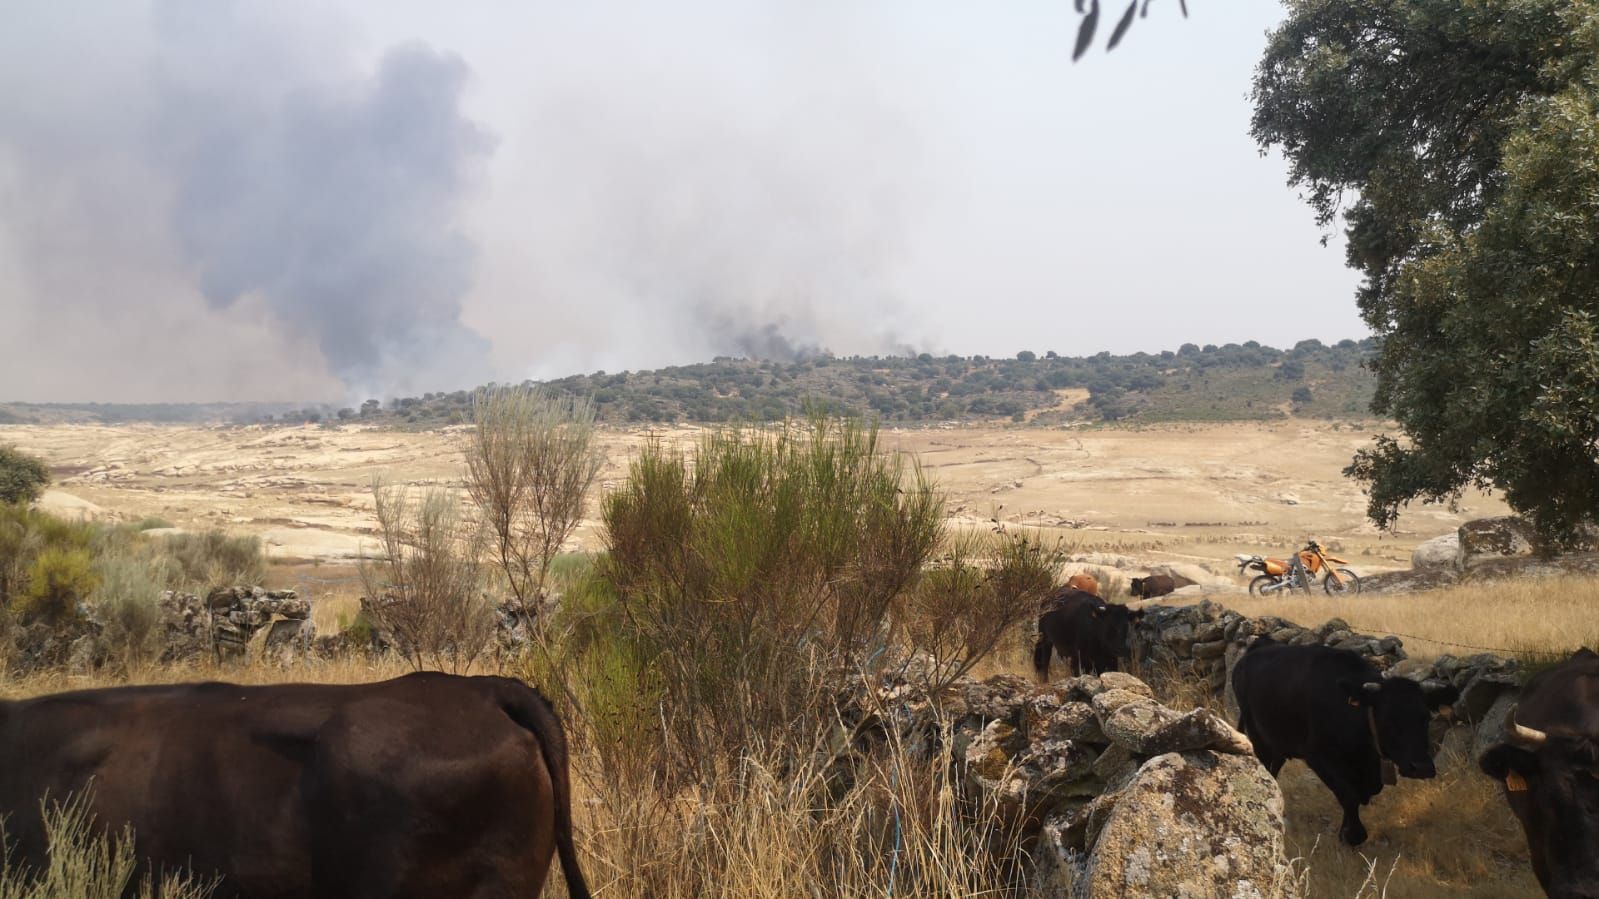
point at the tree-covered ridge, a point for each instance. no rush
(1246, 381)
(1210, 383)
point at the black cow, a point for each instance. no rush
(1549, 765)
(1335, 710)
(426, 785)
(1088, 632)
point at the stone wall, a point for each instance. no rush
(1117, 794)
(219, 627)
(1204, 640)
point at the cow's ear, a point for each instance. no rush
(1510, 764)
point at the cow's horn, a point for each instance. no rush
(1371, 686)
(1522, 735)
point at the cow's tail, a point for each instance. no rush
(1041, 653)
(528, 708)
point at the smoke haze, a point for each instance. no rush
(213, 200)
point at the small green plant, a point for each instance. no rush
(150, 523)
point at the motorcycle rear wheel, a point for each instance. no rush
(1264, 580)
(1351, 583)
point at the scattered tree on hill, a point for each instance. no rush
(1458, 143)
(22, 477)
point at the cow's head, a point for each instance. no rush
(1398, 710)
(1551, 781)
(1115, 625)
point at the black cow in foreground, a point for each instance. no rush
(1335, 710)
(1087, 632)
(425, 785)
(1549, 766)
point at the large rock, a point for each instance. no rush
(1494, 538)
(1441, 552)
(1194, 826)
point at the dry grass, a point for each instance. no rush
(772, 836)
(1532, 616)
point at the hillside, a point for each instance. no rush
(1236, 382)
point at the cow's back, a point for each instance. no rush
(1289, 696)
(422, 785)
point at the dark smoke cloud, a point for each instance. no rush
(335, 202)
(312, 202)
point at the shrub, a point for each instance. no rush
(751, 571)
(150, 523)
(22, 477)
(530, 462)
(214, 559)
(976, 592)
(58, 580)
(427, 588)
(128, 604)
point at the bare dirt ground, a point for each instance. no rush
(1192, 493)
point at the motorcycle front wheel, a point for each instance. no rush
(1351, 583)
(1265, 580)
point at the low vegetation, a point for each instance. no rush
(57, 573)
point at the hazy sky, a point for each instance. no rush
(327, 200)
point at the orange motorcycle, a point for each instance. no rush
(1299, 572)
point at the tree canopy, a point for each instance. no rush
(22, 477)
(1460, 145)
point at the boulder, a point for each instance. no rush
(1506, 536)
(1442, 552)
(1192, 825)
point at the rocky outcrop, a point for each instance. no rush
(1495, 538)
(1485, 549)
(1196, 825)
(1439, 553)
(223, 625)
(1082, 762)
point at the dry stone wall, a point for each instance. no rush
(1205, 640)
(1119, 794)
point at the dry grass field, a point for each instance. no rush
(1180, 493)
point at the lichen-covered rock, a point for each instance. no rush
(1441, 552)
(1111, 700)
(1073, 721)
(1120, 680)
(1195, 826)
(1506, 536)
(1152, 729)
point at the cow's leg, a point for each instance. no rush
(1351, 831)
(1042, 650)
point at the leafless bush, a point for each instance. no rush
(976, 592)
(427, 588)
(531, 459)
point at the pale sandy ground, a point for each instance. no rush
(1193, 493)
